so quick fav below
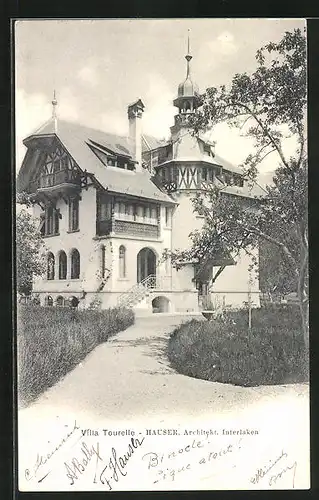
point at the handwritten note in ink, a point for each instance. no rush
(222, 453)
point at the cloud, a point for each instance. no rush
(234, 148)
(69, 106)
(159, 110)
(89, 76)
(32, 110)
(114, 122)
(35, 109)
(223, 44)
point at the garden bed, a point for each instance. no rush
(226, 351)
(52, 341)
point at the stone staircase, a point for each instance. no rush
(139, 291)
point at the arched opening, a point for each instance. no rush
(160, 305)
(74, 302)
(146, 264)
(60, 301)
(62, 265)
(75, 264)
(122, 261)
(50, 266)
(187, 107)
(49, 301)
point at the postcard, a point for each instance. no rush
(162, 254)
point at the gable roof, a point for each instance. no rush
(76, 138)
(248, 191)
(149, 143)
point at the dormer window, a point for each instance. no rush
(238, 181)
(228, 179)
(154, 159)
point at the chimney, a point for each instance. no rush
(135, 112)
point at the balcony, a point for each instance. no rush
(128, 228)
(63, 181)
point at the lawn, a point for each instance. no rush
(51, 341)
(225, 350)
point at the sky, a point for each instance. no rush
(98, 67)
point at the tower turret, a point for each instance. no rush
(54, 113)
(188, 99)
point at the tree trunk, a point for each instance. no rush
(303, 296)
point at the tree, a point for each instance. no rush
(276, 276)
(268, 106)
(30, 259)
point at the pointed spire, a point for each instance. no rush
(188, 57)
(54, 114)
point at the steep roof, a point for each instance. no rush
(248, 191)
(76, 138)
(149, 143)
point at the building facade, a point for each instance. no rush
(109, 206)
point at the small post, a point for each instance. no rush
(249, 301)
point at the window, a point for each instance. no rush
(50, 266)
(73, 302)
(74, 214)
(122, 263)
(139, 213)
(62, 265)
(238, 181)
(228, 179)
(105, 210)
(129, 211)
(60, 301)
(153, 214)
(56, 218)
(154, 159)
(146, 214)
(187, 106)
(75, 265)
(204, 173)
(210, 174)
(103, 261)
(49, 301)
(51, 221)
(168, 217)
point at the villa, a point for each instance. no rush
(108, 206)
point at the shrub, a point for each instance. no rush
(272, 352)
(52, 341)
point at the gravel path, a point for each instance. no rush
(130, 375)
(127, 383)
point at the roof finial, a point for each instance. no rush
(188, 57)
(54, 114)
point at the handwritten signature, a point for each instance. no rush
(77, 465)
(44, 459)
(262, 472)
(117, 464)
(273, 479)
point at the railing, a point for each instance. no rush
(66, 176)
(139, 291)
(127, 227)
